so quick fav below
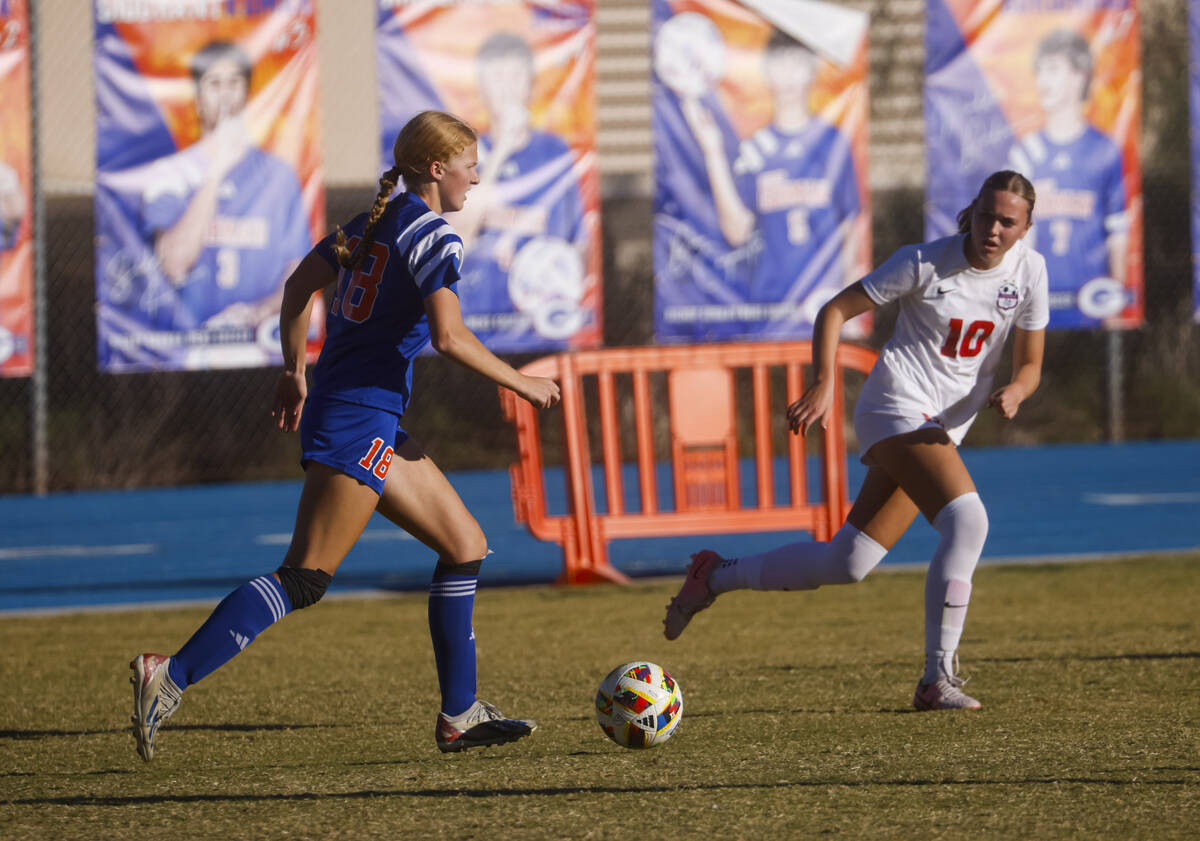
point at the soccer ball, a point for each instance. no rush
(639, 705)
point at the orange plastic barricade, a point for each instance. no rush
(702, 414)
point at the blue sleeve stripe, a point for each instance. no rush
(426, 247)
(426, 241)
(451, 253)
(406, 236)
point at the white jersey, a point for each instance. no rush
(939, 364)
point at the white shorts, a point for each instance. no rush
(872, 427)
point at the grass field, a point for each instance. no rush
(797, 721)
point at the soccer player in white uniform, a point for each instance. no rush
(959, 298)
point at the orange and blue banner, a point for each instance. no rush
(208, 178)
(762, 210)
(1051, 89)
(522, 73)
(16, 207)
(1194, 100)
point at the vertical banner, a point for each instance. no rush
(208, 182)
(521, 73)
(1053, 91)
(1194, 100)
(16, 207)
(762, 211)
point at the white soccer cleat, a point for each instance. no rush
(155, 699)
(479, 726)
(694, 595)
(944, 694)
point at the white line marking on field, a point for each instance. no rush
(1142, 499)
(18, 553)
(168, 604)
(373, 536)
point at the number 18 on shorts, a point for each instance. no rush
(359, 441)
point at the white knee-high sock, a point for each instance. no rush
(963, 525)
(845, 559)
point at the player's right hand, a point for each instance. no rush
(540, 391)
(290, 393)
(812, 408)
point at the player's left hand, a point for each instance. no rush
(290, 393)
(1007, 400)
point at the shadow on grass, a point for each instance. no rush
(22, 735)
(1097, 658)
(800, 711)
(1083, 658)
(152, 799)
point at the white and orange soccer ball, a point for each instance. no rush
(639, 705)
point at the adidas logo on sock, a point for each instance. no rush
(241, 641)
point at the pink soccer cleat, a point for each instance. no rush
(944, 694)
(694, 595)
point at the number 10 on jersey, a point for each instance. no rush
(971, 341)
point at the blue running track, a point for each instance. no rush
(194, 544)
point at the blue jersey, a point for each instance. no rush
(376, 324)
(801, 188)
(536, 194)
(252, 242)
(1080, 203)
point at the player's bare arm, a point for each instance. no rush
(814, 405)
(1028, 349)
(310, 277)
(454, 340)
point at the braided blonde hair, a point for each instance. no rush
(428, 137)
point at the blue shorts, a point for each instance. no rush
(357, 440)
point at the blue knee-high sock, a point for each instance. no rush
(451, 605)
(237, 620)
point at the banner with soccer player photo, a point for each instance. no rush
(16, 175)
(521, 73)
(1051, 90)
(1194, 99)
(208, 179)
(762, 210)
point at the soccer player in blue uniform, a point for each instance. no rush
(396, 270)
(529, 188)
(221, 214)
(1077, 172)
(791, 194)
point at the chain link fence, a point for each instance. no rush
(133, 430)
